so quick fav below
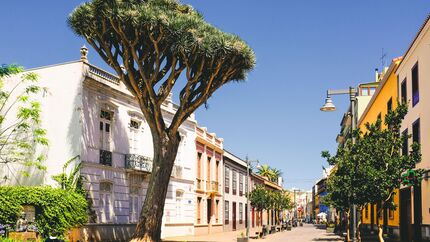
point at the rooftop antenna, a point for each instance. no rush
(383, 56)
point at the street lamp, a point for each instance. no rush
(248, 211)
(295, 205)
(328, 107)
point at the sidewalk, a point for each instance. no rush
(222, 236)
(308, 232)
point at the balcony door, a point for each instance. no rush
(105, 129)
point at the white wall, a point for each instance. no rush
(61, 108)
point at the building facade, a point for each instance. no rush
(89, 112)
(235, 190)
(413, 77)
(383, 101)
(208, 182)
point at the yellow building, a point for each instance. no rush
(384, 99)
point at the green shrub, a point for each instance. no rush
(57, 210)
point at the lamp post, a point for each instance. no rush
(295, 205)
(328, 107)
(248, 206)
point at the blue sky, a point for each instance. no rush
(302, 48)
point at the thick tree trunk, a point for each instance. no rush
(149, 225)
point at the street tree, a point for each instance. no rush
(259, 198)
(383, 152)
(342, 183)
(370, 171)
(20, 119)
(151, 44)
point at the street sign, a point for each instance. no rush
(409, 178)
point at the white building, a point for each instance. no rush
(89, 112)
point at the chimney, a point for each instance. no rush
(84, 53)
(376, 75)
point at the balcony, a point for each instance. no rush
(200, 184)
(105, 158)
(212, 186)
(177, 171)
(138, 162)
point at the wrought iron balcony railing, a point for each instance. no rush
(138, 162)
(105, 158)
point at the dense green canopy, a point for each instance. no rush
(156, 40)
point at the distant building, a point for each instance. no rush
(208, 184)
(235, 190)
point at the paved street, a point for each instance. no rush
(308, 232)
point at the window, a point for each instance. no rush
(179, 197)
(240, 213)
(366, 211)
(105, 129)
(380, 116)
(199, 165)
(227, 179)
(240, 184)
(405, 143)
(415, 85)
(199, 214)
(134, 204)
(416, 131)
(226, 212)
(105, 202)
(372, 90)
(209, 169)
(234, 182)
(391, 214)
(134, 136)
(390, 105)
(404, 94)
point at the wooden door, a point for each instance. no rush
(209, 210)
(234, 215)
(246, 215)
(405, 214)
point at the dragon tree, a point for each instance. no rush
(151, 44)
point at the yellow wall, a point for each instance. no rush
(376, 107)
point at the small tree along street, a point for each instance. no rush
(370, 171)
(150, 44)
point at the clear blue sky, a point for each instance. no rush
(302, 47)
